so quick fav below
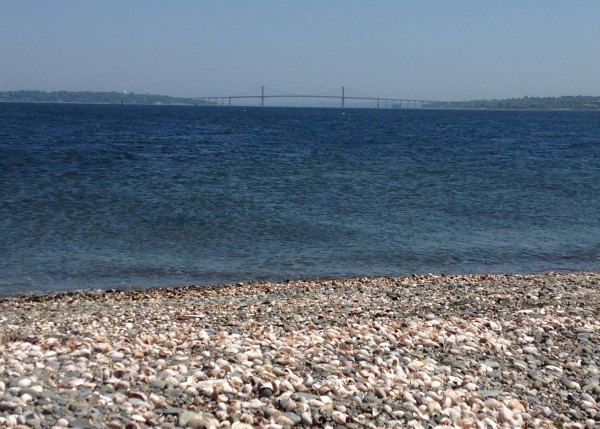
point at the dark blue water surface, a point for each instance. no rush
(124, 196)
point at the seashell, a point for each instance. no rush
(344, 346)
(435, 396)
(286, 350)
(115, 355)
(494, 326)
(138, 418)
(26, 397)
(324, 389)
(407, 396)
(506, 416)
(493, 404)
(590, 405)
(339, 417)
(315, 403)
(453, 413)
(489, 423)
(170, 344)
(138, 395)
(241, 425)
(380, 392)
(167, 373)
(285, 385)
(362, 387)
(276, 370)
(154, 398)
(172, 381)
(434, 407)
(427, 343)
(76, 382)
(516, 406)
(471, 387)
(100, 347)
(326, 400)
(204, 421)
(306, 419)
(235, 382)
(415, 424)
(436, 384)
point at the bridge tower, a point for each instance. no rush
(262, 96)
(343, 96)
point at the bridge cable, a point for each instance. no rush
(252, 91)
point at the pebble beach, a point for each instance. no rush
(473, 351)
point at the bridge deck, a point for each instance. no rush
(394, 102)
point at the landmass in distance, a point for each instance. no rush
(578, 102)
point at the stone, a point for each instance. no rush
(158, 384)
(8, 405)
(284, 420)
(24, 382)
(265, 392)
(80, 423)
(185, 417)
(295, 418)
(491, 393)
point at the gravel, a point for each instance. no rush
(423, 351)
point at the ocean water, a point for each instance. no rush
(96, 196)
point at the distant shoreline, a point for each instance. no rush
(91, 103)
(567, 103)
(578, 102)
(480, 109)
(90, 97)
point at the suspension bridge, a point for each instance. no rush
(341, 95)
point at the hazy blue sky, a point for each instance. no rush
(441, 50)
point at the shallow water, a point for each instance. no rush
(130, 196)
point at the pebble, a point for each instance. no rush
(422, 351)
(24, 382)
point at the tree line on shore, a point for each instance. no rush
(93, 97)
(578, 102)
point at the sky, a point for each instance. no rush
(431, 50)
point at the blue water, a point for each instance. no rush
(129, 196)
